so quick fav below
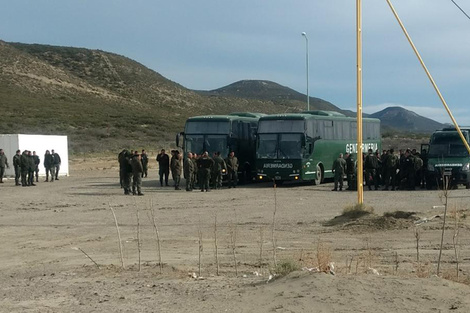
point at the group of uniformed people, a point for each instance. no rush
(26, 165)
(198, 170)
(403, 171)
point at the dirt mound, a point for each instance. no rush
(365, 221)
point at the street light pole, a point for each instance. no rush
(306, 58)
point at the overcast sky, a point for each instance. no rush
(208, 44)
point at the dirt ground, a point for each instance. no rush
(46, 231)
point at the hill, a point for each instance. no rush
(403, 120)
(101, 100)
(270, 91)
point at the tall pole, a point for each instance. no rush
(360, 180)
(306, 58)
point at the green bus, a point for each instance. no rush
(446, 155)
(224, 133)
(303, 146)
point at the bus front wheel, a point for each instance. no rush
(319, 176)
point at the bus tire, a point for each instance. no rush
(319, 178)
(467, 186)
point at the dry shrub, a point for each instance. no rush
(286, 267)
(423, 269)
(323, 257)
(400, 214)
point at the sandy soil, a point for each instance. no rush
(43, 229)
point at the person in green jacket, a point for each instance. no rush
(339, 168)
(17, 167)
(3, 164)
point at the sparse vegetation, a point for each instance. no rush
(357, 210)
(286, 267)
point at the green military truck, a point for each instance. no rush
(447, 156)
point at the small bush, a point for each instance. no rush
(285, 267)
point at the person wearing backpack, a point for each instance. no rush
(391, 165)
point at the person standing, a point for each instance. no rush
(145, 163)
(339, 168)
(390, 165)
(350, 171)
(232, 169)
(205, 164)
(31, 168)
(188, 171)
(56, 163)
(195, 173)
(175, 166)
(48, 165)
(163, 167)
(37, 161)
(24, 168)
(17, 167)
(126, 171)
(370, 165)
(137, 170)
(3, 165)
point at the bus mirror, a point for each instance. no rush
(178, 139)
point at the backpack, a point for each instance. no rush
(418, 163)
(392, 161)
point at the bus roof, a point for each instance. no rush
(307, 116)
(238, 116)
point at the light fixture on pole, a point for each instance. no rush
(306, 58)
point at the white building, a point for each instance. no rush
(39, 143)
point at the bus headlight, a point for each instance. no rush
(466, 167)
(430, 168)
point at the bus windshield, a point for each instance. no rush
(210, 143)
(447, 144)
(207, 127)
(279, 146)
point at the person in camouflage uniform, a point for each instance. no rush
(350, 171)
(217, 169)
(175, 166)
(3, 164)
(205, 164)
(17, 167)
(195, 179)
(56, 163)
(188, 171)
(137, 169)
(232, 169)
(339, 168)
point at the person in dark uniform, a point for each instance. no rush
(205, 164)
(163, 166)
(137, 169)
(370, 165)
(31, 169)
(48, 165)
(24, 168)
(17, 167)
(391, 165)
(37, 161)
(126, 171)
(339, 168)
(56, 163)
(232, 169)
(350, 171)
(145, 162)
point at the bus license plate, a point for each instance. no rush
(277, 177)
